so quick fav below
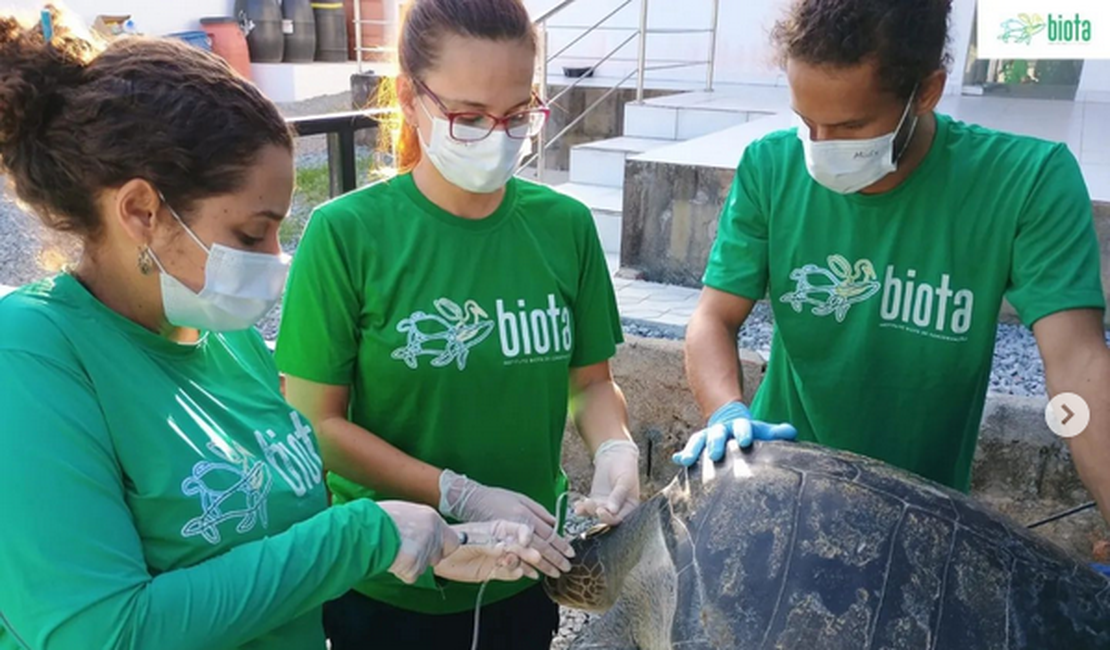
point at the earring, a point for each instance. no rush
(146, 262)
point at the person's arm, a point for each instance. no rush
(356, 453)
(598, 406)
(72, 568)
(1056, 287)
(712, 355)
(1076, 360)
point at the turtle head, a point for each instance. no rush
(604, 556)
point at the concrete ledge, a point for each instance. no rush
(1020, 468)
(671, 213)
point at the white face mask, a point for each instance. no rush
(848, 166)
(239, 288)
(481, 167)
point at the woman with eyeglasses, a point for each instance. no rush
(157, 491)
(437, 324)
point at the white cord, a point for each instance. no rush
(478, 611)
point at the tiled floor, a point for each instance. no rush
(657, 304)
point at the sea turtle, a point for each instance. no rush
(796, 546)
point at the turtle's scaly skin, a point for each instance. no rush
(794, 546)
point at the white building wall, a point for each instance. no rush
(744, 53)
(154, 17)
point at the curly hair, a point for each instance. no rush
(76, 120)
(908, 39)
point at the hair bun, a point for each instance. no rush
(32, 72)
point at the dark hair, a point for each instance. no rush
(906, 38)
(75, 121)
(425, 24)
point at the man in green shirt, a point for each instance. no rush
(885, 236)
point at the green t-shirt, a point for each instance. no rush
(157, 495)
(886, 305)
(456, 336)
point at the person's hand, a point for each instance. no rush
(470, 501)
(491, 551)
(733, 420)
(425, 539)
(616, 487)
(1104, 569)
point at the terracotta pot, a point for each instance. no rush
(228, 41)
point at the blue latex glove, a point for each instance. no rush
(1104, 569)
(733, 420)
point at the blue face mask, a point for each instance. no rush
(239, 288)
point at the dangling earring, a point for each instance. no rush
(146, 262)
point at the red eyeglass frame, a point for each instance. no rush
(542, 108)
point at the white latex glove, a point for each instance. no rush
(470, 501)
(425, 539)
(616, 488)
(491, 551)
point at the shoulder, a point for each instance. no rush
(972, 142)
(358, 208)
(776, 146)
(36, 326)
(540, 202)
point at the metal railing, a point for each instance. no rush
(642, 64)
(340, 129)
(389, 30)
(545, 58)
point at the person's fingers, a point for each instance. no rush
(551, 536)
(783, 432)
(404, 567)
(692, 451)
(717, 436)
(451, 543)
(742, 429)
(610, 512)
(538, 510)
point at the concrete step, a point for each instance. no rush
(693, 115)
(607, 204)
(602, 162)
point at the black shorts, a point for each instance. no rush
(526, 621)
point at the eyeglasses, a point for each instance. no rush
(472, 126)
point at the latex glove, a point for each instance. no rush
(425, 539)
(491, 551)
(470, 501)
(733, 420)
(616, 488)
(1104, 569)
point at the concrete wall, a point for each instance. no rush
(671, 214)
(743, 51)
(1020, 469)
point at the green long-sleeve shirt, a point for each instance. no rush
(155, 495)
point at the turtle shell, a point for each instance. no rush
(791, 545)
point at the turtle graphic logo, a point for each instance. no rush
(833, 290)
(1022, 29)
(447, 336)
(228, 491)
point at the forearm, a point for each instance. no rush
(1090, 379)
(712, 363)
(358, 455)
(601, 414)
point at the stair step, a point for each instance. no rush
(606, 204)
(602, 162)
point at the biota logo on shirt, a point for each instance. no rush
(908, 302)
(527, 333)
(531, 335)
(912, 304)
